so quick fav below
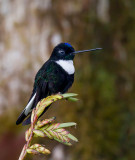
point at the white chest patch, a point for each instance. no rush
(67, 65)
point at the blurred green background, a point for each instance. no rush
(104, 80)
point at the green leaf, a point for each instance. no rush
(67, 95)
(66, 143)
(39, 133)
(48, 134)
(72, 137)
(69, 124)
(53, 126)
(32, 151)
(46, 102)
(73, 99)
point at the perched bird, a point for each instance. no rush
(55, 76)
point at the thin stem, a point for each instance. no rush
(26, 146)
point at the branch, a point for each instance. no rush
(46, 128)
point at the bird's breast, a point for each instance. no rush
(67, 65)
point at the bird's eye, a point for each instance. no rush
(61, 52)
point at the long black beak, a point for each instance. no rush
(89, 50)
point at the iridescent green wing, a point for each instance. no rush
(46, 74)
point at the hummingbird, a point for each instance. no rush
(55, 76)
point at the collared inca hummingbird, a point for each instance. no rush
(55, 76)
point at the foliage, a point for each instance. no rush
(46, 128)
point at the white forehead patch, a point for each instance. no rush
(67, 65)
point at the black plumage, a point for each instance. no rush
(56, 75)
(51, 78)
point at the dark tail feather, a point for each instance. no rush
(21, 118)
(27, 109)
(27, 121)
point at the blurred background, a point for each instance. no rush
(104, 80)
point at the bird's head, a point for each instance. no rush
(64, 51)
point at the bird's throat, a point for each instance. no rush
(67, 65)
